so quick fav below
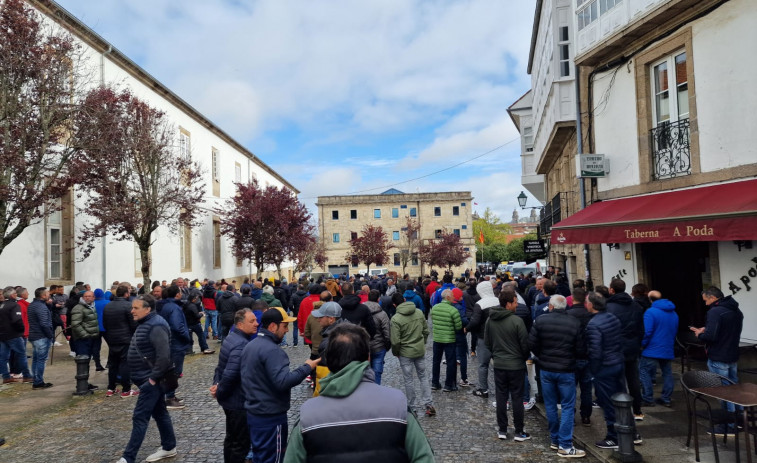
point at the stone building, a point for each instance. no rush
(341, 218)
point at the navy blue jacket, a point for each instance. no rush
(603, 341)
(540, 305)
(660, 329)
(228, 375)
(40, 321)
(631, 317)
(149, 351)
(266, 380)
(174, 315)
(722, 331)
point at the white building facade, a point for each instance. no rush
(43, 254)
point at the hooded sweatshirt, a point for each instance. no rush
(660, 329)
(409, 332)
(481, 309)
(506, 338)
(631, 317)
(412, 296)
(723, 330)
(356, 312)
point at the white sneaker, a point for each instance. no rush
(57, 344)
(161, 454)
(72, 354)
(530, 404)
(122, 460)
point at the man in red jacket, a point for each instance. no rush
(306, 307)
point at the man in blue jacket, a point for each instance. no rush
(169, 309)
(660, 329)
(227, 386)
(267, 384)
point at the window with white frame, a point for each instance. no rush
(589, 11)
(528, 139)
(55, 243)
(564, 51)
(670, 89)
(237, 172)
(185, 147)
(214, 167)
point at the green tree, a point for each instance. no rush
(493, 229)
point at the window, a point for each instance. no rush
(414, 259)
(58, 252)
(334, 215)
(437, 233)
(462, 204)
(464, 227)
(353, 214)
(377, 213)
(238, 172)
(397, 259)
(395, 212)
(395, 235)
(437, 212)
(216, 242)
(670, 104)
(456, 231)
(185, 247)
(403, 206)
(215, 167)
(413, 212)
(335, 237)
(528, 139)
(54, 243)
(455, 210)
(185, 148)
(353, 235)
(587, 15)
(564, 52)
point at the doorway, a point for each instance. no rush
(680, 272)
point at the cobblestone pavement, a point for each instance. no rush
(96, 428)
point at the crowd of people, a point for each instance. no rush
(599, 342)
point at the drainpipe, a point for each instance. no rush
(104, 238)
(582, 181)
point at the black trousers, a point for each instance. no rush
(509, 386)
(236, 445)
(634, 385)
(118, 367)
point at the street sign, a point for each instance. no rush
(534, 247)
(592, 165)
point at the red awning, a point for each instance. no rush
(721, 212)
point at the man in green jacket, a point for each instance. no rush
(409, 333)
(84, 326)
(506, 338)
(355, 419)
(446, 322)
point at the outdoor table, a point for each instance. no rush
(743, 394)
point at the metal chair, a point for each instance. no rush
(695, 379)
(685, 341)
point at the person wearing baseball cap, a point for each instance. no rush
(267, 383)
(329, 316)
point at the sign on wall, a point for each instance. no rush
(592, 165)
(534, 247)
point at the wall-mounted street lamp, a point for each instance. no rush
(522, 198)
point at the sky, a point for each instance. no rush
(341, 97)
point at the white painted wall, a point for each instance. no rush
(726, 99)
(735, 266)
(615, 265)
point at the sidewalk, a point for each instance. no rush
(663, 430)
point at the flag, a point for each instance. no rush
(475, 204)
(481, 237)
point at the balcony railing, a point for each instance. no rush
(671, 154)
(550, 215)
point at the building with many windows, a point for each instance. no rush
(47, 249)
(341, 218)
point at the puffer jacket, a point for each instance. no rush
(631, 317)
(660, 329)
(382, 340)
(445, 320)
(722, 331)
(170, 311)
(84, 322)
(603, 341)
(40, 321)
(409, 332)
(226, 306)
(118, 322)
(228, 374)
(556, 340)
(481, 309)
(149, 355)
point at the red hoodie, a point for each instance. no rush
(306, 307)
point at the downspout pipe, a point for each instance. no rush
(582, 181)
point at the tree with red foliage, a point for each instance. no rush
(41, 74)
(136, 179)
(313, 253)
(446, 251)
(371, 247)
(267, 226)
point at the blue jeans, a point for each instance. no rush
(559, 388)
(583, 379)
(84, 346)
(607, 382)
(150, 402)
(295, 332)
(647, 371)
(730, 371)
(377, 364)
(41, 349)
(211, 319)
(17, 346)
(461, 347)
(448, 349)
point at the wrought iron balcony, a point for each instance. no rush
(671, 154)
(550, 214)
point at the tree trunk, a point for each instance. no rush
(278, 270)
(144, 254)
(368, 269)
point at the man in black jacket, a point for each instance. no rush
(556, 340)
(355, 312)
(583, 374)
(119, 327)
(226, 305)
(41, 335)
(631, 317)
(193, 313)
(11, 337)
(294, 306)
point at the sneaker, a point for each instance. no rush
(662, 402)
(458, 362)
(465, 383)
(436, 387)
(586, 421)
(637, 439)
(111, 392)
(161, 454)
(9, 380)
(553, 446)
(530, 404)
(430, 410)
(647, 404)
(570, 453)
(130, 393)
(639, 417)
(57, 344)
(473, 353)
(92, 387)
(208, 351)
(521, 436)
(449, 389)
(42, 385)
(595, 405)
(308, 379)
(444, 361)
(72, 354)
(122, 460)
(607, 444)
(173, 404)
(480, 393)
(501, 435)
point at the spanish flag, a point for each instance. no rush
(481, 236)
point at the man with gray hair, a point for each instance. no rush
(11, 337)
(445, 320)
(556, 340)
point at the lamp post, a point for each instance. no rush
(522, 198)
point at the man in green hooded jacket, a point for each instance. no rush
(354, 418)
(409, 333)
